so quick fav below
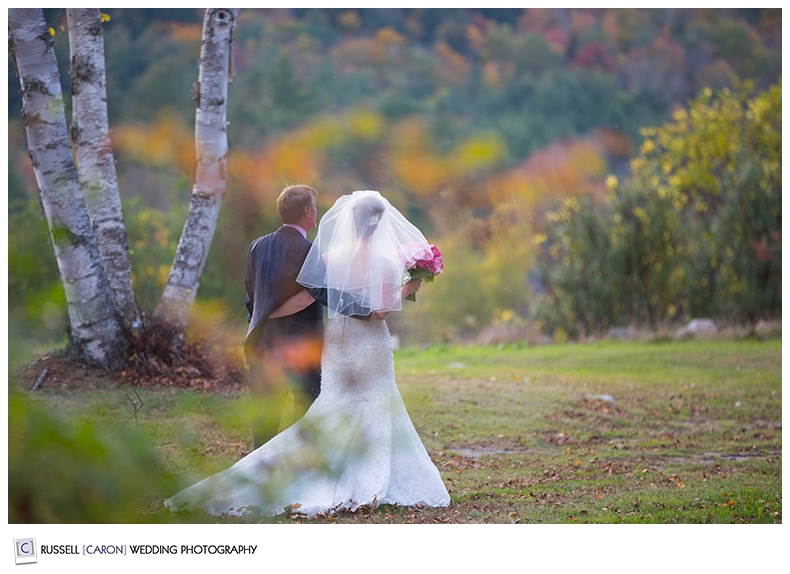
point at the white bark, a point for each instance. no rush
(211, 144)
(95, 333)
(90, 134)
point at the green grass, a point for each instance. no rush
(526, 434)
(693, 434)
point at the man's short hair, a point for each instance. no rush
(293, 200)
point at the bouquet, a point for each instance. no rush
(423, 264)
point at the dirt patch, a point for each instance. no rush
(56, 371)
(154, 361)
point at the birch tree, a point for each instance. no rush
(96, 331)
(211, 143)
(90, 135)
(81, 200)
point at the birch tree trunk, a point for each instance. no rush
(96, 334)
(211, 142)
(90, 135)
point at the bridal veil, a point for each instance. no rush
(361, 254)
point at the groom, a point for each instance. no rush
(283, 343)
(285, 335)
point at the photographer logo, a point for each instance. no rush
(25, 550)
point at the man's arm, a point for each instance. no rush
(305, 298)
(320, 294)
(293, 304)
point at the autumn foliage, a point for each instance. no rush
(495, 131)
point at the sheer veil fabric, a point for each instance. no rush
(361, 254)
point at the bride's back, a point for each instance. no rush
(360, 264)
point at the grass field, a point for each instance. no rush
(642, 433)
(579, 433)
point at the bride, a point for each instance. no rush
(356, 445)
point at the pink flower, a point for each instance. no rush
(422, 264)
(412, 253)
(435, 264)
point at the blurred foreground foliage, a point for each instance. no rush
(67, 470)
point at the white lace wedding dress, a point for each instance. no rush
(355, 446)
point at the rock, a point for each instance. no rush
(606, 398)
(697, 329)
